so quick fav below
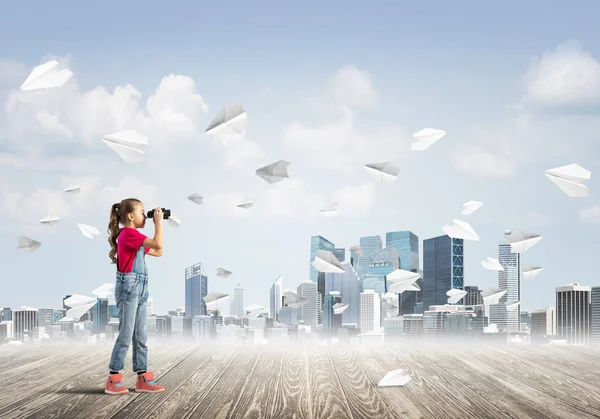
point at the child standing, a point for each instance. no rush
(131, 291)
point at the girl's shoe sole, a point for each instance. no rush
(115, 392)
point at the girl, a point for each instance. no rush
(131, 291)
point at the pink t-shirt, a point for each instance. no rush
(128, 243)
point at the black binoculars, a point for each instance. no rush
(166, 213)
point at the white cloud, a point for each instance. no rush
(355, 201)
(224, 204)
(568, 76)
(50, 123)
(478, 162)
(239, 149)
(590, 214)
(129, 187)
(353, 87)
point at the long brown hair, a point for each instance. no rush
(118, 214)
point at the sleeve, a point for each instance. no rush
(133, 239)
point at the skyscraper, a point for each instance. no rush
(369, 245)
(308, 312)
(573, 313)
(473, 297)
(275, 303)
(370, 308)
(407, 246)
(349, 286)
(196, 288)
(24, 321)
(339, 253)
(318, 243)
(381, 263)
(443, 261)
(100, 315)
(5, 314)
(332, 298)
(595, 316)
(238, 301)
(510, 280)
(543, 323)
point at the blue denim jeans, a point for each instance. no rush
(131, 295)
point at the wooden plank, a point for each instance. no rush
(144, 405)
(361, 393)
(328, 399)
(186, 397)
(395, 397)
(68, 394)
(39, 359)
(256, 398)
(488, 388)
(218, 400)
(556, 399)
(293, 397)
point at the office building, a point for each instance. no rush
(370, 312)
(288, 316)
(473, 297)
(543, 323)
(318, 243)
(339, 253)
(510, 280)
(332, 298)
(308, 312)
(349, 286)
(45, 318)
(406, 244)
(196, 288)
(381, 263)
(276, 298)
(100, 315)
(369, 245)
(595, 316)
(443, 269)
(5, 314)
(24, 322)
(573, 313)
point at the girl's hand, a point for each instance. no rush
(158, 216)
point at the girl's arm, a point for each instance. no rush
(156, 243)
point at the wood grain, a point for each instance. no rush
(292, 397)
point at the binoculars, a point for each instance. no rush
(166, 213)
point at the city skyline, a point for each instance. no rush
(329, 101)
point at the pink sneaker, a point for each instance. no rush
(146, 384)
(114, 385)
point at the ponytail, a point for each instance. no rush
(113, 232)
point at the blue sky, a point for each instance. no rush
(469, 68)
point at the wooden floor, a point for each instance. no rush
(59, 381)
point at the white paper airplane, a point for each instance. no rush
(491, 264)
(394, 378)
(88, 231)
(213, 299)
(387, 306)
(174, 221)
(274, 172)
(401, 275)
(127, 144)
(28, 245)
(492, 295)
(223, 273)
(325, 261)
(246, 204)
(385, 173)
(254, 311)
(531, 271)
(79, 305)
(195, 198)
(512, 304)
(357, 250)
(294, 300)
(45, 76)
(521, 242)
(570, 179)
(231, 120)
(460, 230)
(331, 210)
(470, 207)
(425, 138)
(73, 189)
(104, 290)
(455, 295)
(400, 287)
(339, 308)
(50, 220)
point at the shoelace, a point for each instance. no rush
(118, 384)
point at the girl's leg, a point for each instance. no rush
(140, 350)
(127, 305)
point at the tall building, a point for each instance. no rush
(595, 316)
(308, 312)
(150, 306)
(238, 301)
(288, 315)
(369, 245)
(370, 312)
(543, 323)
(196, 288)
(473, 297)
(407, 246)
(332, 298)
(100, 315)
(443, 269)
(318, 243)
(381, 263)
(510, 280)
(24, 322)
(45, 318)
(276, 298)
(349, 286)
(5, 314)
(573, 313)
